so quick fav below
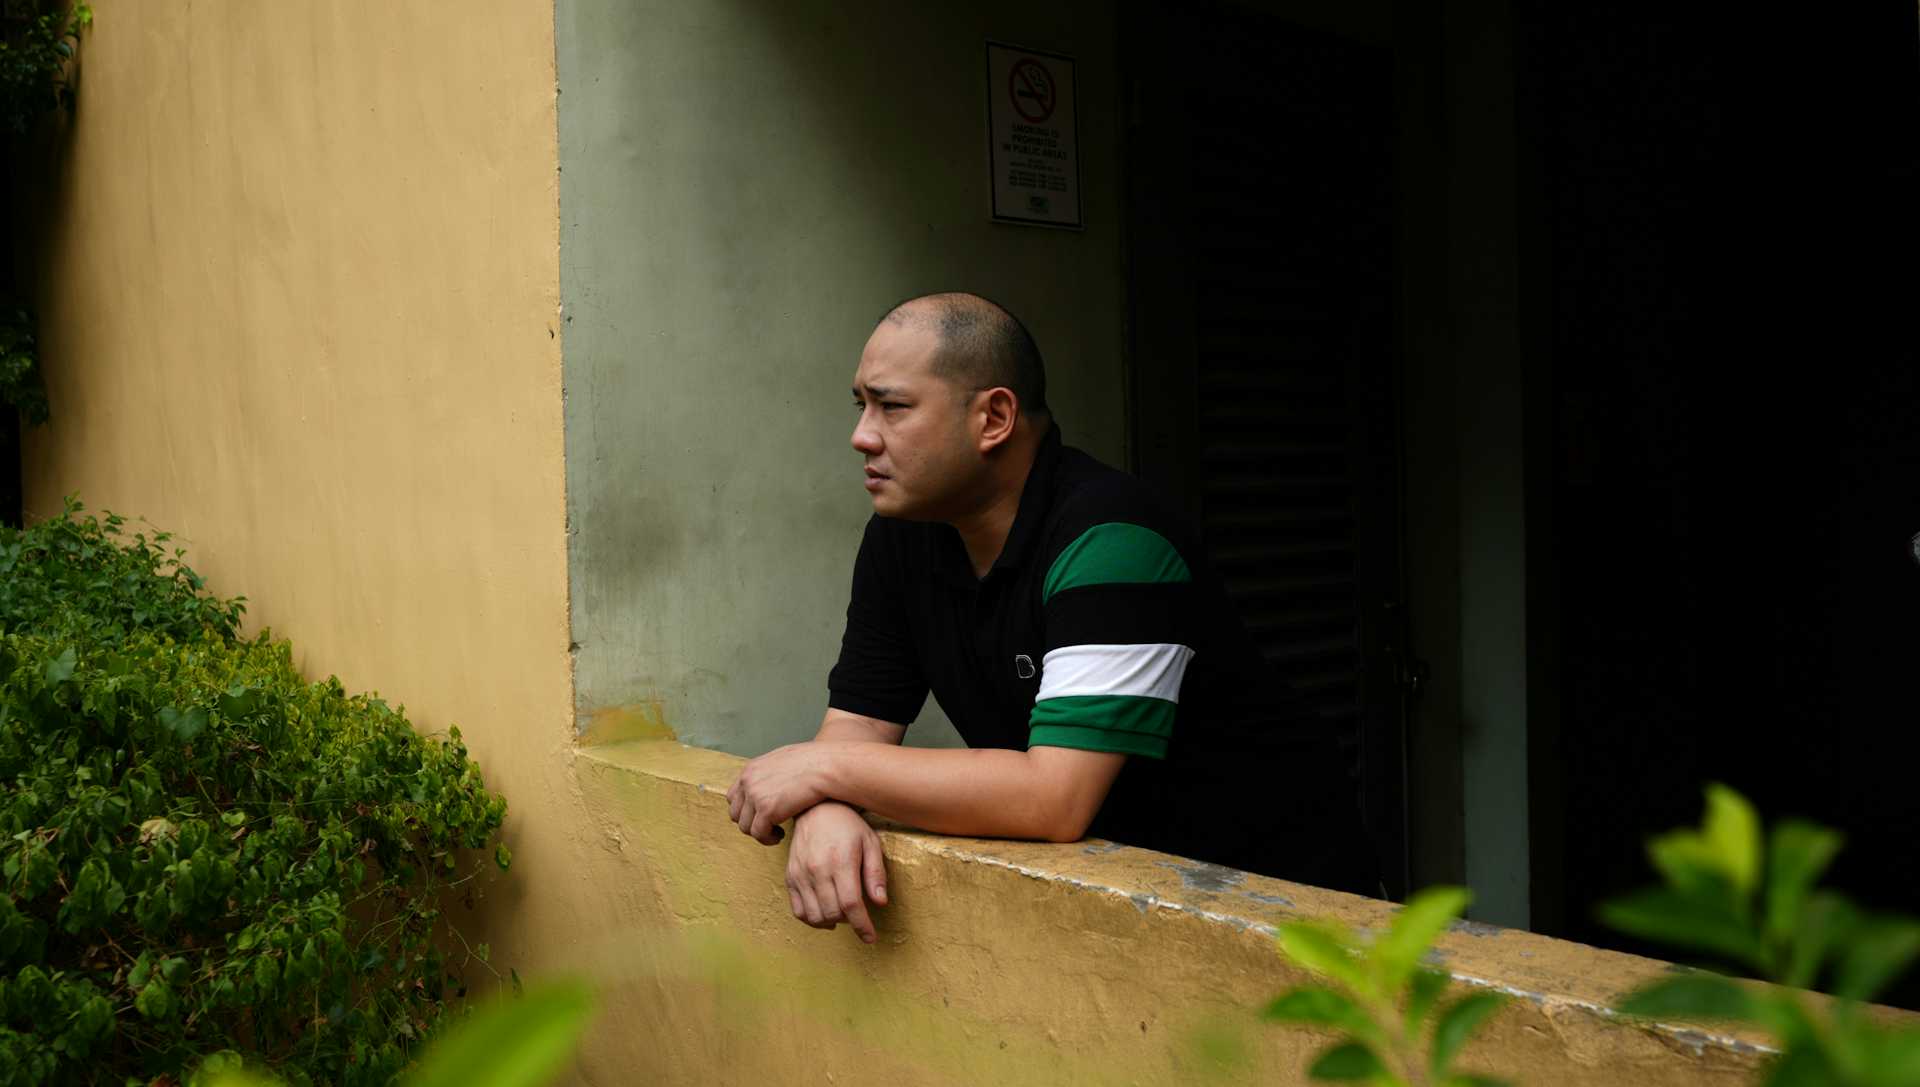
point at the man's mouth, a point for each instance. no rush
(874, 479)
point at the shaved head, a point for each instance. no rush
(981, 346)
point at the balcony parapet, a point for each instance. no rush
(1023, 962)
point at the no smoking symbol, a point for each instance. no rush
(1031, 87)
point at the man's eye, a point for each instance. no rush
(887, 405)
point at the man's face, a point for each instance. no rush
(921, 463)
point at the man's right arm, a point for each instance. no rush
(834, 864)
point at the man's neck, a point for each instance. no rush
(984, 531)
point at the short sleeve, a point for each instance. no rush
(1119, 606)
(878, 674)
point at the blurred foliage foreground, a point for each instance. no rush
(1745, 902)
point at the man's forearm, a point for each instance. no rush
(841, 725)
(986, 792)
(1049, 793)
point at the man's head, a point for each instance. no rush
(980, 346)
(952, 399)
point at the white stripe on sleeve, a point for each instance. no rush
(1152, 669)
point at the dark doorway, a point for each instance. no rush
(1736, 465)
(1260, 245)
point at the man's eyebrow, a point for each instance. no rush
(880, 392)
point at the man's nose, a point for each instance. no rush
(864, 439)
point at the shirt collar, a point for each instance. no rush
(1036, 498)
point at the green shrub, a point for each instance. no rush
(200, 852)
(85, 578)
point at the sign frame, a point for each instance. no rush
(997, 165)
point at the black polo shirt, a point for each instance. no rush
(1101, 626)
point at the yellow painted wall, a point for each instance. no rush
(303, 312)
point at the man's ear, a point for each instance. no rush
(997, 411)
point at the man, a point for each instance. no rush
(1070, 627)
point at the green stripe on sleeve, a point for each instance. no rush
(1115, 553)
(1098, 739)
(1127, 724)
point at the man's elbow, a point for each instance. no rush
(1071, 787)
(1068, 824)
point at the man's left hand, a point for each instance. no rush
(776, 787)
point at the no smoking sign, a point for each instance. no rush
(1030, 89)
(1033, 142)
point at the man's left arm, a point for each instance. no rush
(1046, 793)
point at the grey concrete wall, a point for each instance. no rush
(745, 186)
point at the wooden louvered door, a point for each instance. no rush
(1261, 274)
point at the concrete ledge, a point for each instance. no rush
(1015, 962)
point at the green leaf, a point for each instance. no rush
(516, 1042)
(1891, 1056)
(183, 725)
(1879, 951)
(227, 1069)
(1694, 996)
(1673, 917)
(1802, 1066)
(155, 1000)
(239, 701)
(1719, 862)
(93, 899)
(1457, 1024)
(1686, 861)
(266, 974)
(1783, 1017)
(1732, 832)
(1421, 995)
(1317, 1006)
(60, 668)
(1471, 1080)
(1347, 1061)
(1796, 857)
(1825, 922)
(1326, 950)
(1421, 921)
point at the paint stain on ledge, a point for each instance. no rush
(633, 721)
(1205, 877)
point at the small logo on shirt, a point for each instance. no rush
(1023, 666)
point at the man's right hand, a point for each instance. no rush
(833, 866)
